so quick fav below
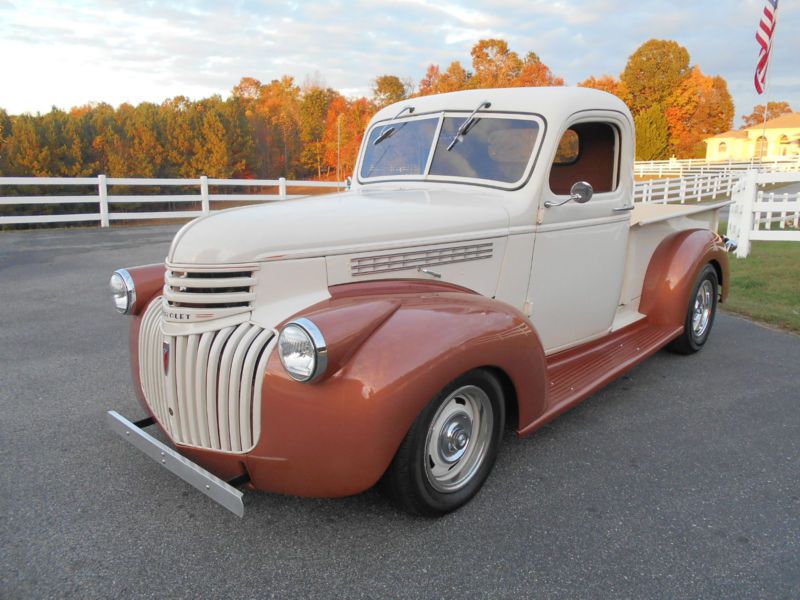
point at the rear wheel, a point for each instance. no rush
(700, 314)
(450, 449)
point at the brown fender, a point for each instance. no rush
(337, 436)
(149, 281)
(673, 270)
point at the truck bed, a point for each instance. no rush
(650, 224)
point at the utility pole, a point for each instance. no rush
(338, 146)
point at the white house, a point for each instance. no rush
(780, 138)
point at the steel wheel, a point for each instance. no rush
(450, 448)
(703, 305)
(458, 439)
(699, 314)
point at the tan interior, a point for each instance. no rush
(595, 162)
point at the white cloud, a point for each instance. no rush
(120, 50)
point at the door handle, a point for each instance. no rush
(623, 208)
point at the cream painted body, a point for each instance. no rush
(576, 270)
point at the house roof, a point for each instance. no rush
(785, 121)
(733, 133)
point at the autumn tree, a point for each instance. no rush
(313, 111)
(607, 83)
(346, 123)
(700, 107)
(653, 72)
(774, 110)
(388, 89)
(496, 66)
(652, 134)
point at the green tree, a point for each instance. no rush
(388, 89)
(313, 111)
(652, 134)
(653, 72)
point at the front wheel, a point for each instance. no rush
(700, 314)
(450, 449)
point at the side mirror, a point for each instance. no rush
(581, 192)
(348, 181)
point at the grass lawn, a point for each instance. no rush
(765, 286)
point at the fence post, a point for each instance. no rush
(282, 187)
(204, 203)
(740, 224)
(102, 189)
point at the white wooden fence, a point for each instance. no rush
(674, 167)
(105, 201)
(692, 187)
(764, 215)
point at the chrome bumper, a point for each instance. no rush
(212, 486)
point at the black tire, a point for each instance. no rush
(432, 485)
(697, 327)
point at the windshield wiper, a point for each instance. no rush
(463, 129)
(387, 131)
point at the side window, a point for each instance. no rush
(586, 152)
(568, 148)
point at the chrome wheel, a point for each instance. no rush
(703, 305)
(458, 438)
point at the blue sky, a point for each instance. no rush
(71, 52)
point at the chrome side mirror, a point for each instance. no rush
(581, 192)
(348, 182)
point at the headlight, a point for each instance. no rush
(302, 350)
(123, 291)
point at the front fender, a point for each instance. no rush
(337, 436)
(673, 270)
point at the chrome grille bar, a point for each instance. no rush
(210, 394)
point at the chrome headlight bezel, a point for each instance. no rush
(316, 341)
(123, 291)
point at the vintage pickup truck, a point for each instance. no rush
(487, 267)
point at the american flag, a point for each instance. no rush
(766, 30)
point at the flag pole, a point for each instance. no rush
(766, 83)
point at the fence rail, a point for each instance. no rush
(105, 201)
(673, 167)
(694, 187)
(754, 211)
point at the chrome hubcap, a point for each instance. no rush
(703, 303)
(458, 439)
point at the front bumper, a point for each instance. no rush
(193, 474)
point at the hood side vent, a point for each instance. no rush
(407, 260)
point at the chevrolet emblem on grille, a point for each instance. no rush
(165, 351)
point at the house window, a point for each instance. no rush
(722, 148)
(784, 145)
(761, 147)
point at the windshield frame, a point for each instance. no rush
(425, 176)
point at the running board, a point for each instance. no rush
(575, 374)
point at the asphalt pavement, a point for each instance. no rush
(680, 480)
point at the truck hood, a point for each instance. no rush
(359, 220)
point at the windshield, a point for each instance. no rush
(403, 152)
(492, 148)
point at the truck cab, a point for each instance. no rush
(487, 266)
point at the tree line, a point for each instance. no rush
(284, 129)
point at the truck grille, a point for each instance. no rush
(200, 294)
(204, 388)
(417, 259)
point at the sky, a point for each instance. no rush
(70, 52)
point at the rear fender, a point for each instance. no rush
(673, 270)
(336, 436)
